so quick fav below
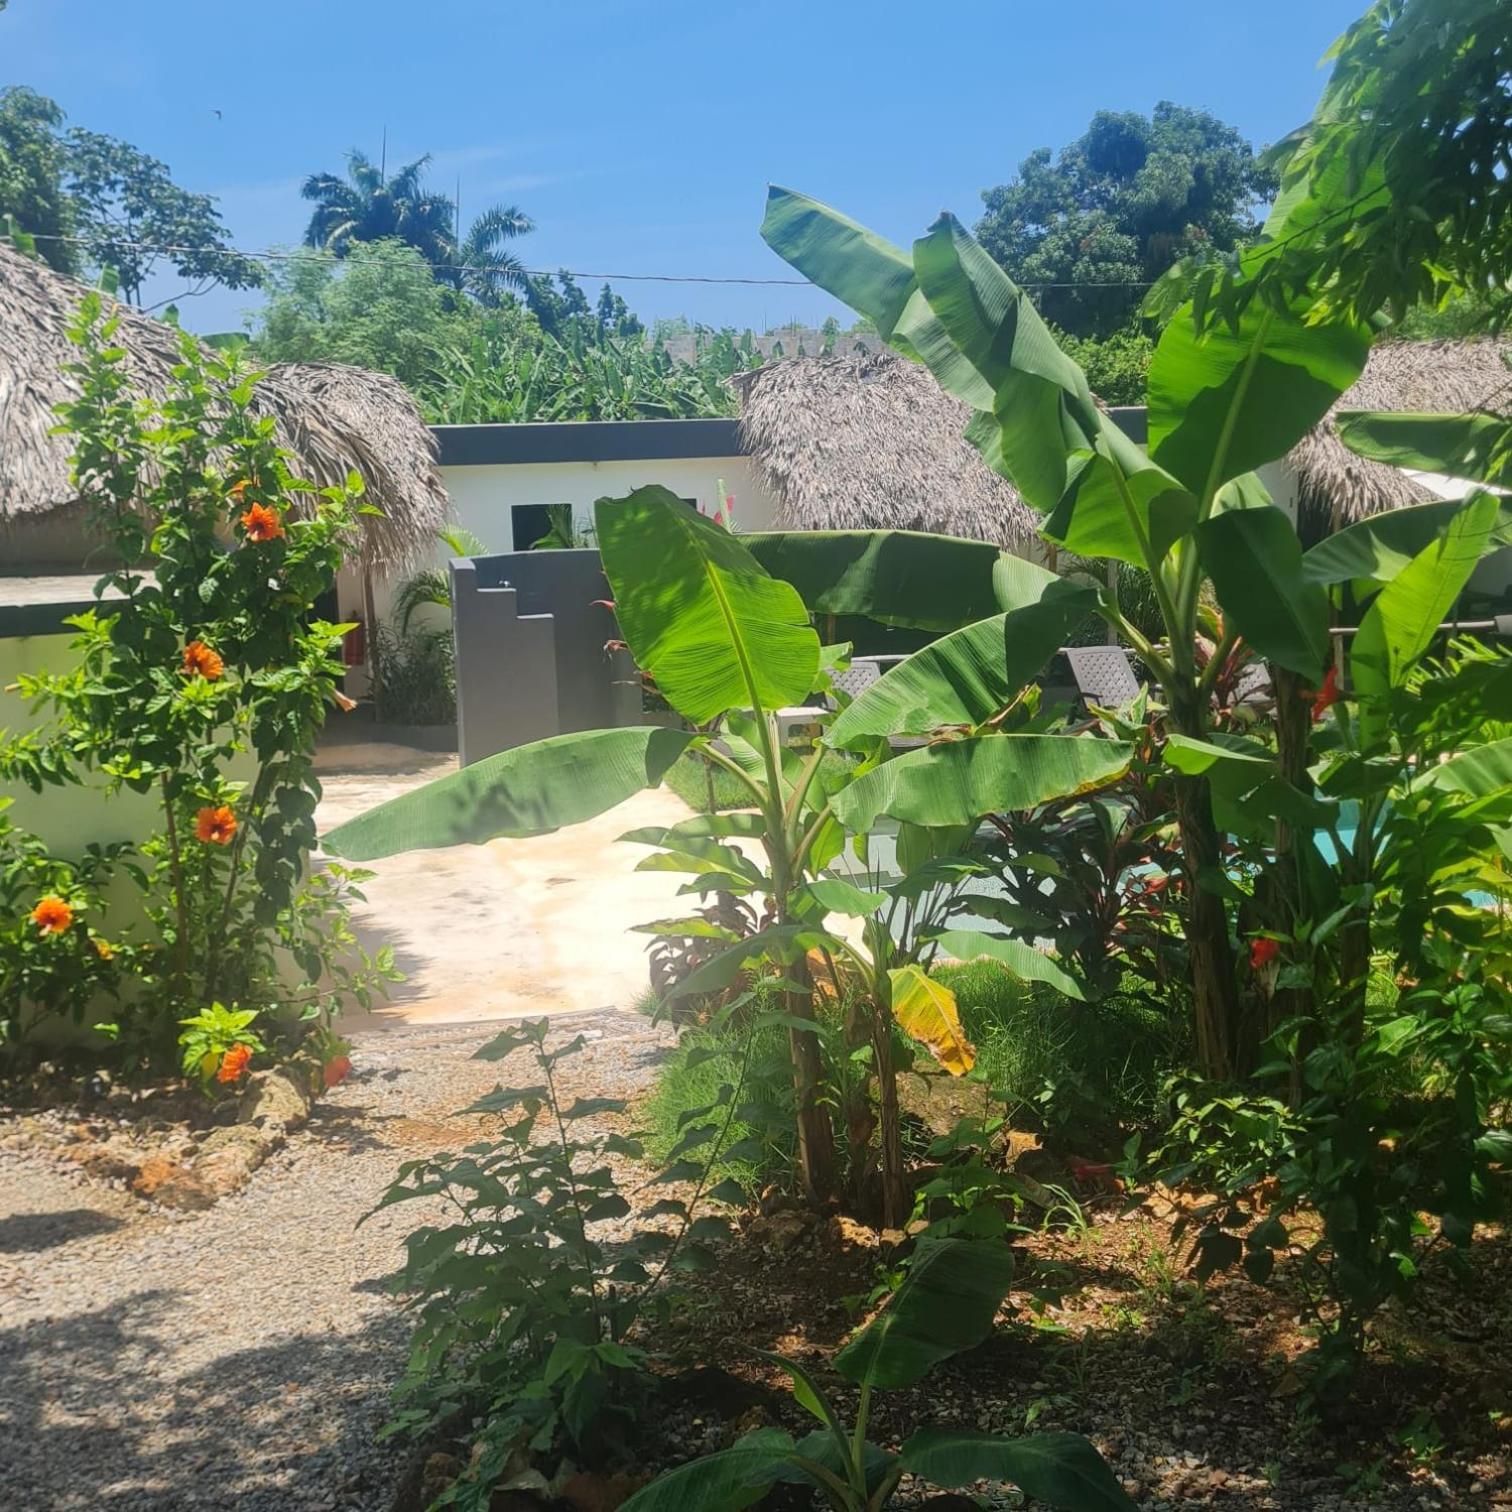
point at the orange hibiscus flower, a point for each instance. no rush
(233, 1063)
(1262, 952)
(201, 661)
(1326, 696)
(337, 1069)
(262, 523)
(215, 826)
(238, 489)
(52, 915)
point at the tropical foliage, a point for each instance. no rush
(201, 680)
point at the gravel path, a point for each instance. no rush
(239, 1358)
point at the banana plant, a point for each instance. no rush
(947, 1303)
(1188, 509)
(728, 645)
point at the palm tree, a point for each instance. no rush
(365, 206)
(486, 267)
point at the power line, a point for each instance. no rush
(169, 249)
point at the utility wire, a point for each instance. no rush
(169, 249)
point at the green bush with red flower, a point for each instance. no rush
(202, 678)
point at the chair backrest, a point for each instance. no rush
(856, 678)
(1103, 674)
(1254, 684)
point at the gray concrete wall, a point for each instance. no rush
(530, 650)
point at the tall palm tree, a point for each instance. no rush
(488, 267)
(365, 206)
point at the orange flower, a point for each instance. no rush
(262, 523)
(1262, 952)
(201, 661)
(238, 489)
(337, 1069)
(215, 826)
(233, 1063)
(1326, 696)
(52, 915)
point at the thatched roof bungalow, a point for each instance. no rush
(1335, 487)
(872, 443)
(332, 419)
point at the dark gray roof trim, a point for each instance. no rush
(586, 441)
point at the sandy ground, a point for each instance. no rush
(510, 928)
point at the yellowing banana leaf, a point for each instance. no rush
(926, 1011)
(530, 790)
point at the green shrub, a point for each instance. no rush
(1093, 1066)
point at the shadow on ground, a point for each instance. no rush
(88, 1421)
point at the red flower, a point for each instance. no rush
(337, 1069)
(262, 523)
(1326, 696)
(215, 826)
(233, 1063)
(52, 915)
(201, 661)
(1262, 952)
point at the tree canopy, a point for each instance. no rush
(93, 201)
(1117, 207)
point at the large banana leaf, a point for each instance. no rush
(733, 1478)
(1022, 959)
(898, 577)
(967, 677)
(1255, 561)
(926, 1011)
(1477, 447)
(1376, 549)
(948, 1302)
(1041, 407)
(1117, 505)
(958, 781)
(1226, 401)
(699, 612)
(1060, 1469)
(527, 791)
(1479, 772)
(1404, 617)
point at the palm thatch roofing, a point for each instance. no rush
(872, 442)
(1334, 486)
(332, 420)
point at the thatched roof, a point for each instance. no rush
(1336, 487)
(332, 419)
(872, 443)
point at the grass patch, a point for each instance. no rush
(1090, 1066)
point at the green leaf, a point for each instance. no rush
(1404, 617)
(779, 944)
(1116, 503)
(733, 1478)
(896, 577)
(957, 782)
(699, 612)
(835, 895)
(530, 790)
(1255, 561)
(947, 1302)
(1059, 1469)
(1478, 772)
(1022, 959)
(858, 267)
(1377, 549)
(1476, 447)
(1041, 410)
(1231, 770)
(1226, 401)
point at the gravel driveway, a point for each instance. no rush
(241, 1357)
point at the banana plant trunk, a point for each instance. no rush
(894, 1196)
(816, 1145)
(1215, 993)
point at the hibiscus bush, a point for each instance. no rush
(202, 678)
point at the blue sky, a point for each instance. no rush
(641, 134)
